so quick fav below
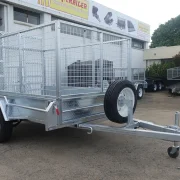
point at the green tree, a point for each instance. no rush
(160, 70)
(167, 34)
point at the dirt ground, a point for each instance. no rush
(66, 154)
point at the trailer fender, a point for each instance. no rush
(3, 109)
(136, 85)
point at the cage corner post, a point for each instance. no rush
(20, 63)
(58, 69)
(101, 60)
(129, 60)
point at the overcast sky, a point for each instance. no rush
(152, 12)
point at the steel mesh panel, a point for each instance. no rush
(82, 62)
(78, 57)
(173, 73)
(26, 61)
(138, 74)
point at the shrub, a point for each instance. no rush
(159, 70)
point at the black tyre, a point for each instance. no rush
(170, 91)
(154, 87)
(6, 129)
(140, 92)
(173, 152)
(115, 108)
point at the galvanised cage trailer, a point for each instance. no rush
(67, 75)
(173, 79)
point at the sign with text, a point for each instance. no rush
(99, 15)
(78, 8)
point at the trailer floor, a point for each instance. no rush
(69, 154)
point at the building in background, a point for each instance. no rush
(16, 15)
(160, 54)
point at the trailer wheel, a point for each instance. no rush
(140, 92)
(6, 129)
(114, 106)
(170, 91)
(173, 152)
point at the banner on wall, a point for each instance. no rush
(99, 15)
(78, 8)
(143, 31)
(104, 16)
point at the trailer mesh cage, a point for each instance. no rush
(173, 73)
(80, 74)
(61, 58)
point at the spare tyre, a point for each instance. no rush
(116, 109)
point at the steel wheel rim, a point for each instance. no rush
(155, 87)
(140, 92)
(160, 86)
(125, 94)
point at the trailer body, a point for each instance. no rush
(41, 69)
(171, 82)
(45, 79)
